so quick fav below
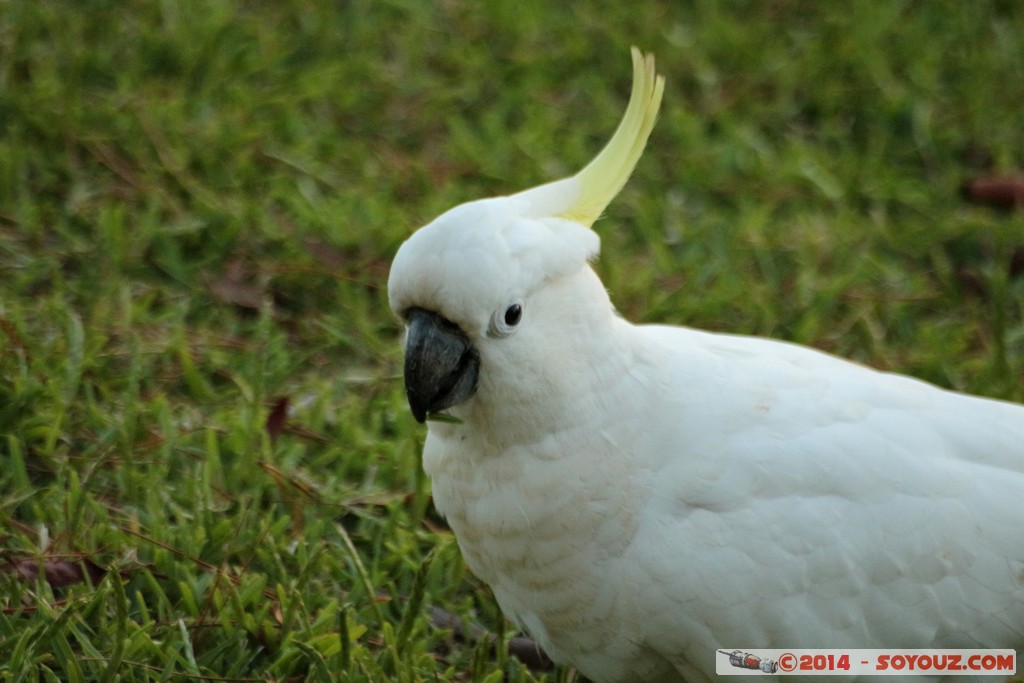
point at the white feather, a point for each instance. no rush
(639, 496)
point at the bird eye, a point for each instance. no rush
(505, 320)
(513, 314)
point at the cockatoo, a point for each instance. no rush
(639, 496)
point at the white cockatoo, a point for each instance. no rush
(640, 496)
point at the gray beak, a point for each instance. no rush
(441, 366)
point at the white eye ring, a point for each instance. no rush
(505, 320)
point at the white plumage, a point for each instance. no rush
(638, 496)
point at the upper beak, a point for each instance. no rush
(441, 366)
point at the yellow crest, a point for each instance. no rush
(604, 177)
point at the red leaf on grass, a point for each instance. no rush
(526, 650)
(238, 285)
(278, 418)
(59, 573)
(1017, 262)
(333, 258)
(1005, 192)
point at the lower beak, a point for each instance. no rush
(441, 366)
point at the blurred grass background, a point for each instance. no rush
(207, 469)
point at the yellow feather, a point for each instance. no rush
(604, 177)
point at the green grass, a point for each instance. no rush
(199, 201)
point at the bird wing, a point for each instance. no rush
(796, 499)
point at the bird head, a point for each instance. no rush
(492, 291)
